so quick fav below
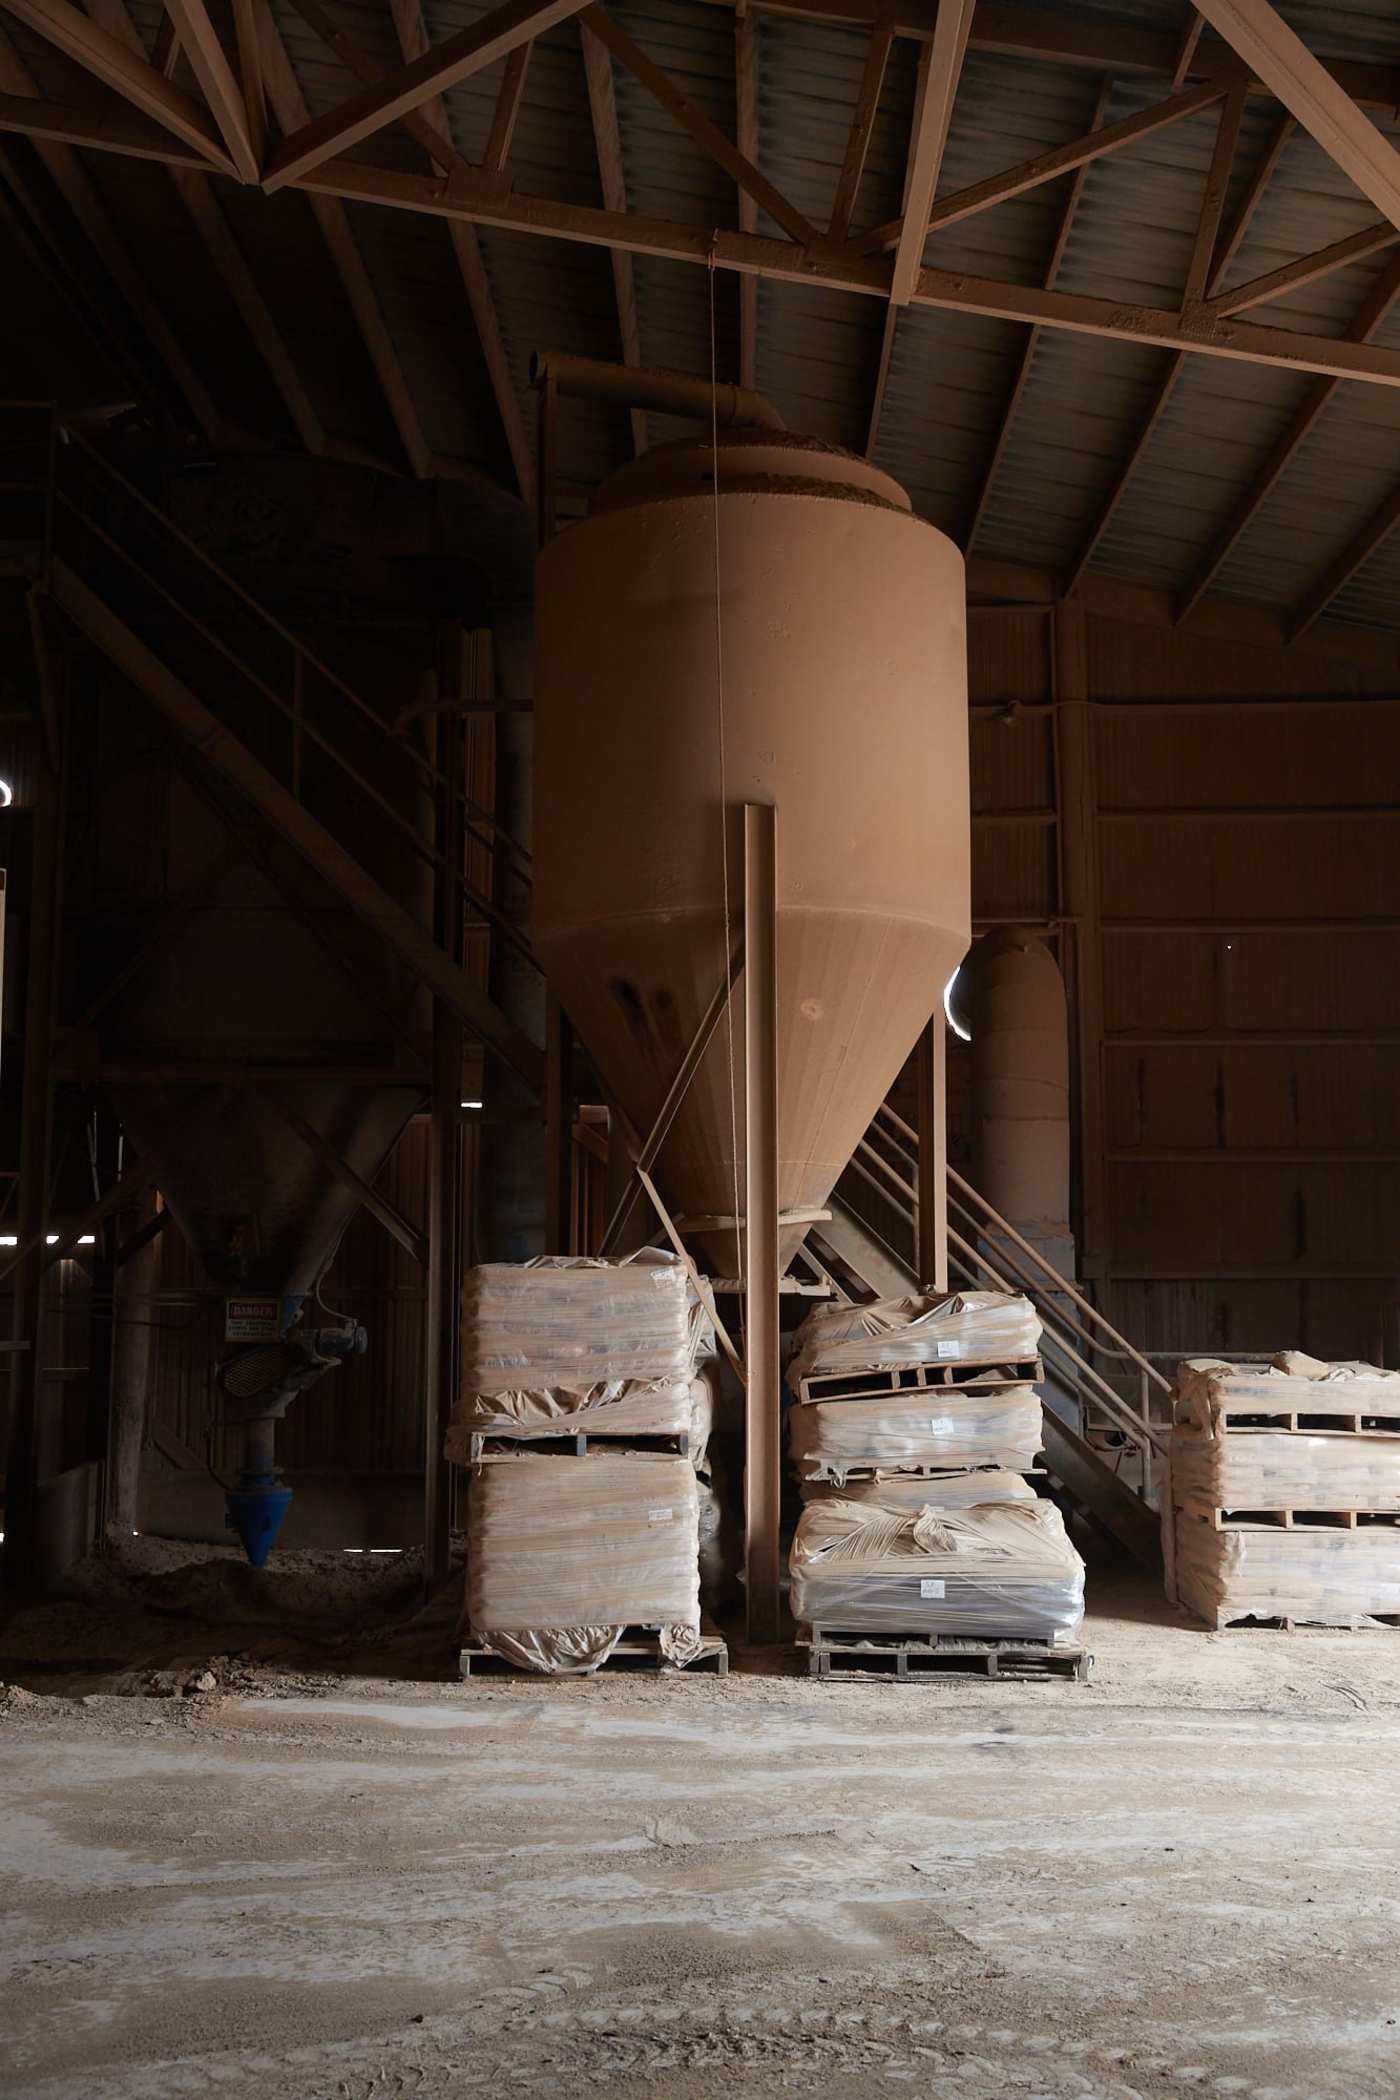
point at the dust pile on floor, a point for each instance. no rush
(160, 1614)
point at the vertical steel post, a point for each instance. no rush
(34, 1428)
(1077, 800)
(762, 1467)
(133, 1336)
(546, 457)
(559, 1130)
(445, 1167)
(933, 1155)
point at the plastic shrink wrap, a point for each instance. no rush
(547, 1343)
(1284, 1469)
(1271, 1573)
(925, 1490)
(1289, 1384)
(943, 1426)
(1005, 1571)
(564, 1553)
(970, 1327)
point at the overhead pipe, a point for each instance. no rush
(669, 393)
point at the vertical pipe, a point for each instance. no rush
(933, 1155)
(1078, 816)
(546, 455)
(762, 1471)
(559, 1143)
(34, 1428)
(133, 1310)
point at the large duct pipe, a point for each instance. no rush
(1014, 997)
(669, 393)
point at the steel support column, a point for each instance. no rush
(933, 1155)
(762, 1468)
(442, 1356)
(34, 1426)
(559, 1131)
(1077, 800)
(136, 1281)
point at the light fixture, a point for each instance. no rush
(964, 1034)
(471, 1104)
(7, 794)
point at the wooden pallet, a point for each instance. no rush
(832, 1652)
(910, 1469)
(1236, 1419)
(1302, 1519)
(638, 1649)
(497, 1448)
(914, 1378)
(1249, 1621)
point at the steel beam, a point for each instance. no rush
(676, 1093)
(933, 116)
(1303, 84)
(946, 290)
(471, 50)
(121, 70)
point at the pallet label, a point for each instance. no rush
(932, 1586)
(660, 1516)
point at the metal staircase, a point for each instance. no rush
(311, 756)
(1106, 1423)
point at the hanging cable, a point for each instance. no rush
(727, 945)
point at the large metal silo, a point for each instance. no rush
(767, 624)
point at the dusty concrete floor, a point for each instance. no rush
(1179, 1879)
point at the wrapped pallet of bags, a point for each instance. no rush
(1285, 1491)
(563, 1554)
(571, 1343)
(1302, 1469)
(1289, 1392)
(1318, 1577)
(1004, 1571)
(948, 1428)
(839, 1342)
(925, 1490)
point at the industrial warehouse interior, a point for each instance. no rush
(699, 1103)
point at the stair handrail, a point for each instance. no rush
(291, 712)
(973, 1200)
(1136, 1424)
(426, 770)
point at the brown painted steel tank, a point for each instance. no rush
(827, 675)
(1014, 997)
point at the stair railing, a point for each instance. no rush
(311, 716)
(1075, 1331)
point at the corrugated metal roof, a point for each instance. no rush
(949, 374)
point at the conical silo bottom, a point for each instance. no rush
(853, 992)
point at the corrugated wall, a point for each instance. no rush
(1247, 853)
